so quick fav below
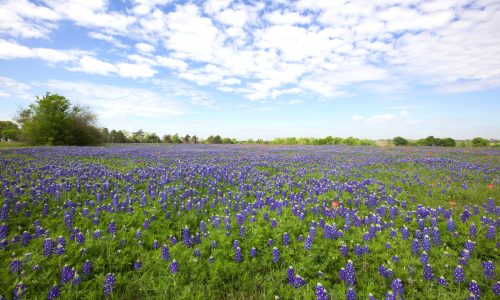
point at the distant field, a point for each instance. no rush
(228, 222)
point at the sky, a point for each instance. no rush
(260, 69)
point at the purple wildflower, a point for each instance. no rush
(165, 253)
(87, 267)
(48, 246)
(237, 255)
(350, 294)
(253, 252)
(137, 265)
(67, 274)
(174, 267)
(276, 255)
(442, 281)
(54, 292)
(474, 288)
(320, 292)
(488, 269)
(458, 274)
(109, 284)
(428, 274)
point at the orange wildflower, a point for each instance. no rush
(453, 203)
(490, 186)
(335, 204)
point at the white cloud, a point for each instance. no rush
(287, 18)
(135, 70)
(21, 18)
(88, 64)
(13, 50)
(10, 88)
(115, 101)
(107, 38)
(172, 63)
(145, 48)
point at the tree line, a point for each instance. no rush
(53, 120)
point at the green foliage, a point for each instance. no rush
(400, 141)
(480, 142)
(52, 120)
(432, 141)
(9, 131)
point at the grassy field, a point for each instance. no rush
(236, 218)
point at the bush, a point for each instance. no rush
(480, 142)
(400, 141)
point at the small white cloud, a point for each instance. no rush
(145, 48)
(135, 70)
(10, 88)
(358, 117)
(172, 63)
(92, 65)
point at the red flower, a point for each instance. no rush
(490, 186)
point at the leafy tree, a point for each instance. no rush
(9, 131)
(480, 142)
(194, 139)
(176, 139)
(152, 138)
(138, 136)
(118, 136)
(167, 138)
(53, 120)
(186, 139)
(399, 141)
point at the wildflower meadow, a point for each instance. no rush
(249, 222)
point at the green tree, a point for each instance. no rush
(176, 139)
(167, 138)
(53, 120)
(9, 131)
(480, 142)
(152, 138)
(194, 139)
(186, 139)
(399, 141)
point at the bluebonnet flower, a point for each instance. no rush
(350, 294)
(276, 255)
(48, 246)
(87, 267)
(405, 233)
(490, 232)
(291, 275)
(436, 237)
(496, 288)
(428, 274)
(155, 244)
(165, 253)
(308, 243)
(137, 265)
(458, 274)
(424, 258)
(197, 252)
(25, 238)
(211, 259)
(96, 235)
(469, 245)
(54, 292)
(76, 279)
(253, 252)
(371, 297)
(109, 284)
(67, 274)
(174, 267)
(415, 247)
(270, 242)
(112, 228)
(213, 244)
(395, 259)
(474, 288)
(472, 230)
(344, 250)
(451, 225)
(298, 281)
(80, 238)
(286, 238)
(350, 273)
(390, 296)
(488, 269)
(426, 243)
(320, 292)
(397, 287)
(442, 281)
(242, 231)
(60, 250)
(237, 254)
(19, 290)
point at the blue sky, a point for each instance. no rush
(260, 69)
